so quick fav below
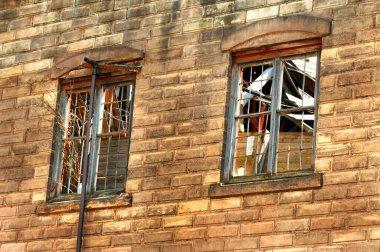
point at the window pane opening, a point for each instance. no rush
(292, 135)
(253, 119)
(113, 139)
(109, 140)
(295, 142)
(74, 140)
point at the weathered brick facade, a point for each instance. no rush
(179, 128)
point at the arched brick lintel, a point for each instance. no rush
(69, 62)
(274, 31)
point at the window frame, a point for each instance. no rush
(57, 154)
(239, 60)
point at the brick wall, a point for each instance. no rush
(179, 120)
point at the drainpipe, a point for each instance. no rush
(86, 158)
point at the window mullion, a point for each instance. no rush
(232, 125)
(316, 98)
(61, 122)
(275, 117)
(96, 127)
(131, 96)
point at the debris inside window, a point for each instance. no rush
(293, 142)
(110, 140)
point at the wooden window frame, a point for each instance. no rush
(56, 167)
(277, 53)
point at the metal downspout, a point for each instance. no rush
(87, 146)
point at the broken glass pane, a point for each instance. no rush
(253, 120)
(295, 139)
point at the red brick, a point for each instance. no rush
(292, 225)
(242, 243)
(221, 231)
(293, 197)
(350, 162)
(155, 183)
(364, 189)
(96, 241)
(10, 247)
(92, 229)
(193, 206)
(178, 221)
(314, 209)
(205, 219)
(243, 215)
(340, 178)
(102, 215)
(177, 247)
(257, 228)
(31, 234)
(225, 203)
(190, 233)
(260, 200)
(162, 209)
(17, 198)
(192, 179)
(363, 246)
(353, 78)
(127, 239)
(276, 241)
(117, 226)
(312, 238)
(8, 187)
(43, 221)
(146, 248)
(363, 220)
(66, 244)
(347, 236)
(178, 194)
(276, 212)
(158, 157)
(349, 205)
(142, 197)
(327, 222)
(189, 154)
(158, 236)
(59, 232)
(146, 224)
(210, 245)
(17, 223)
(7, 237)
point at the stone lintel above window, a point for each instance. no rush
(274, 31)
(68, 62)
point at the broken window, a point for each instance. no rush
(272, 132)
(109, 137)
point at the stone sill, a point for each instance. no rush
(123, 200)
(305, 182)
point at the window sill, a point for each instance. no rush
(123, 200)
(305, 182)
